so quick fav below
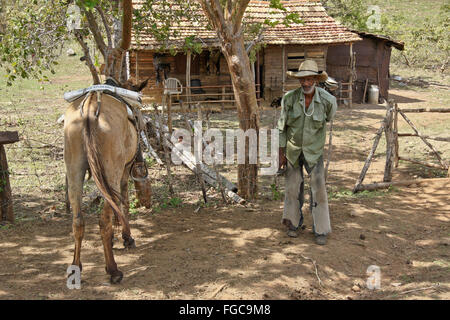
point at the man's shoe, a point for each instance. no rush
(321, 239)
(291, 230)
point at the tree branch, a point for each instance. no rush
(229, 11)
(238, 15)
(93, 26)
(215, 14)
(255, 41)
(87, 56)
(106, 25)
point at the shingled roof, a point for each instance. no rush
(316, 27)
(389, 41)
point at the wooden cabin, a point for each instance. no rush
(372, 55)
(206, 75)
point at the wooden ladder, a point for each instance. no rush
(346, 88)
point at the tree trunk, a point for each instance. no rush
(245, 96)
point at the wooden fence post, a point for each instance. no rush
(390, 143)
(372, 152)
(442, 162)
(6, 207)
(396, 145)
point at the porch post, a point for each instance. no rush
(350, 86)
(127, 62)
(283, 68)
(258, 77)
(137, 68)
(188, 78)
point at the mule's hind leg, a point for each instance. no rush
(75, 177)
(128, 241)
(107, 232)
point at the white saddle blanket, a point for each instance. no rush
(132, 97)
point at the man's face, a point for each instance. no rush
(308, 84)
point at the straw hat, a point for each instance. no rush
(308, 68)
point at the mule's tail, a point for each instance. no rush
(97, 169)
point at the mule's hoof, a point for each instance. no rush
(129, 243)
(116, 277)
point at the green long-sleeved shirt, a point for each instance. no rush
(301, 133)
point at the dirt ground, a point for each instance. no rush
(242, 252)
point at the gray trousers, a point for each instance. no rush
(294, 197)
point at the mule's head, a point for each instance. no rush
(127, 84)
(135, 87)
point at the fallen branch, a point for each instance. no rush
(420, 289)
(315, 267)
(208, 175)
(218, 291)
(204, 168)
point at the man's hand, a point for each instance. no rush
(282, 161)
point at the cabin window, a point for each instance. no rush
(294, 59)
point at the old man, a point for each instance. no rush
(302, 126)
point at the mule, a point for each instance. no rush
(100, 138)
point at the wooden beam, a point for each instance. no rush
(7, 137)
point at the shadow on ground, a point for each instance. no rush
(243, 253)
